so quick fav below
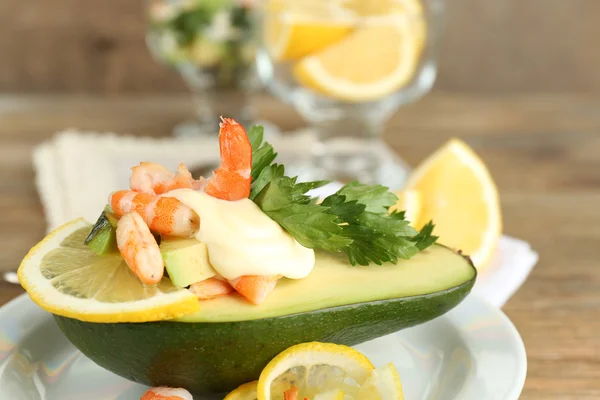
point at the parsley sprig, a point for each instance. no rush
(355, 220)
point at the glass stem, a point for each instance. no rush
(348, 149)
(213, 99)
(351, 149)
(212, 103)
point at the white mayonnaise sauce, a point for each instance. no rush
(242, 240)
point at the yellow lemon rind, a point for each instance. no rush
(41, 291)
(312, 353)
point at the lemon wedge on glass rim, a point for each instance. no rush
(63, 276)
(373, 61)
(294, 29)
(377, 8)
(327, 371)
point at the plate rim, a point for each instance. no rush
(514, 336)
(24, 304)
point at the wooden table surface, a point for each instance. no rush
(543, 151)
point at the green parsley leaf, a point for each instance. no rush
(303, 187)
(262, 152)
(387, 224)
(345, 210)
(255, 135)
(355, 220)
(424, 239)
(377, 198)
(376, 237)
(268, 174)
(276, 195)
(311, 225)
(366, 248)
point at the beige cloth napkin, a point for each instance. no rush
(76, 171)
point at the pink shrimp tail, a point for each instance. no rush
(211, 288)
(231, 181)
(255, 288)
(291, 393)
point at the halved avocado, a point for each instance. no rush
(229, 341)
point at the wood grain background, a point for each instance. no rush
(490, 46)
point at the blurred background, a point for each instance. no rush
(489, 46)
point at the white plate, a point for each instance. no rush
(472, 353)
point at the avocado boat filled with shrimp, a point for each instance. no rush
(198, 282)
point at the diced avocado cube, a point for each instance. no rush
(102, 238)
(110, 215)
(186, 261)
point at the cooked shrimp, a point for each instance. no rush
(166, 393)
(291, 393)
(184, 176)
(154, 178)
(231, 181)
(139, 249)
(255, 288)
(211, 288)
(164, 215)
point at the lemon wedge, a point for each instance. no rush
(247, 391)
(458, 193)
(372, 62)
(314, 368)
(63, 276)
(383, 384)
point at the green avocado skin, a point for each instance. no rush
(217, 357)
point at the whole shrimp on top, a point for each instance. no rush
(167, 216)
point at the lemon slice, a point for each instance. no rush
(335, 394)
(459, 195)
(372, 62)
(295, 29)
(383, 384)
(63, 276)
(409, 201)
(247, 391)
(412, 9)
(314, 368)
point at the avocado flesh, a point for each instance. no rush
(333, 282)
(102, 238)
(215, 357)
(186, 261)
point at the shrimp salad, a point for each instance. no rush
(248, 251)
